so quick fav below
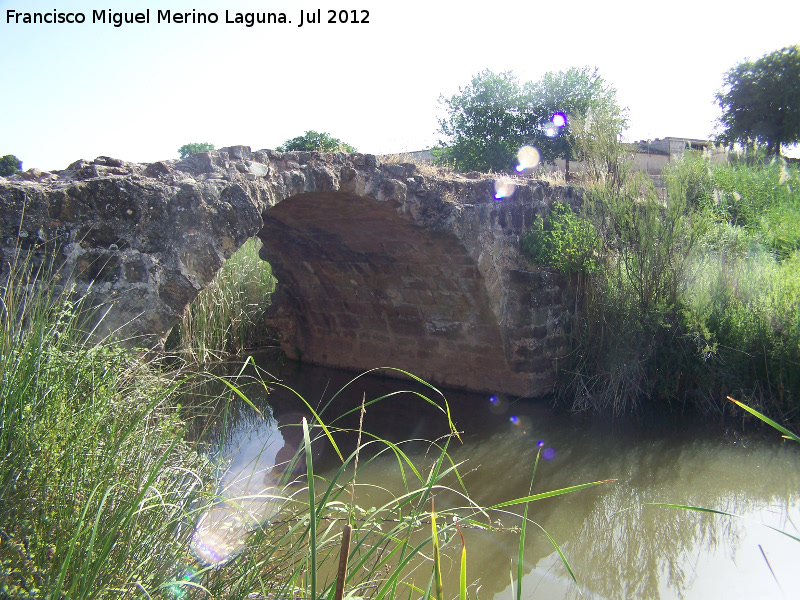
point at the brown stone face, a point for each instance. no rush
(368, 288)
(378, 264)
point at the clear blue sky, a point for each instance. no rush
(140, 91)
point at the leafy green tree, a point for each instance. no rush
(313, 141)
(486, 123)
(9, 164)
(760, 101)
(189, 149)
(574, 103)
(490, 119)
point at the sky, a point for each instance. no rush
(140, 91)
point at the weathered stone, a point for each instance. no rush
(31, 175)
(108, 161)
(377, 263)
(157, 169)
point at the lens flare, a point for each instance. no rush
(528, 158)
(549, 453)
(178, 588)
(559, 119)
(251, 496)
(503, 188)
(522, 424)
(498, 405)
(551, 131)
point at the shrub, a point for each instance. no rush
(694, 296)
(9, 164)
(313, 141)
(563, 241)
(194, 148)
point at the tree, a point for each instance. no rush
(9, 164)
(760, 101)
(489, 120)
(571, 102)
(486, 123)
(312, 141)
(189, 149)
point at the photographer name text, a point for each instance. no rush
(318, 16)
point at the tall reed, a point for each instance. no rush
(227, 316)
(686, 297)
(96, 482)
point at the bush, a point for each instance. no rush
(313, 141)
(563, 241)
(9, 164)
(195, 148)
(692, 297)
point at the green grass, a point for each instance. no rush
(685, 298)
(744, 313)
(226, 318)
(101, 487)
(96, 481)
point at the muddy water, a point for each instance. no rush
(618, 545)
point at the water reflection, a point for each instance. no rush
(248, 448)
(633, 550)
(618, 545)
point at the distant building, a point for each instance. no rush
(653, 155)
(650, 156)
(421, 155)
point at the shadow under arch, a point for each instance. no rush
(362, 286)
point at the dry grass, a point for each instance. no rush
(423, 167)
(429, 169)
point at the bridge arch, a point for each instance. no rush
(378, 264)
(362, 286)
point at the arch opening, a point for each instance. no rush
(361, 286)
(226, 316)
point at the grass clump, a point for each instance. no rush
(226, 318)
(96, 482)
(689, 296)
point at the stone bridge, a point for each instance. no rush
(378, 264)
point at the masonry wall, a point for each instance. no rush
(378, 264)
